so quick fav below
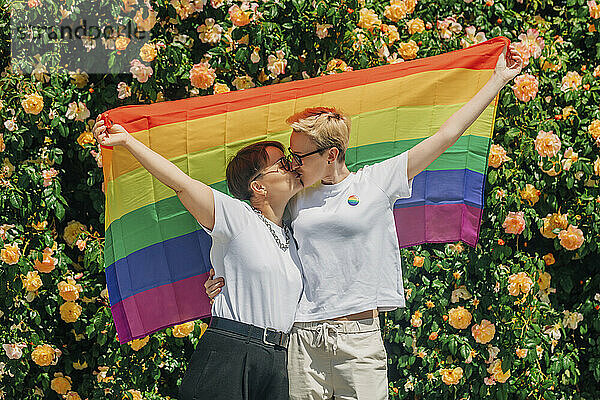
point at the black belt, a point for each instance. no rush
(265, 335)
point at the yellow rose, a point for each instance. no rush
(72, 230)
(519, 283)
(396, 10)
(182, 330)
(43, 355)
(137, 344)
(79, 78)
(33, 103)
(220, 88)
(497, 156)
(148, 52)
(368, 19)
(69, 290)
(459, 318)
(495, 369)
(203, 328)
(484, 332)
(60, 384)
(551, 222)
(544, 280)
(101, 376)
(79, 366)
(86, 137)
(597, 166)
(122, 42)
(32, 281)
(10, 254)
(40, 226)
(415, 26)
(137, 395)
(451, 376)
(594, 128)
(530, 194)
(408, 50)
(70, 311)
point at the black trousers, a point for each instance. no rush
(231, 367)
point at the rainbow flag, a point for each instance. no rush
(157, 255)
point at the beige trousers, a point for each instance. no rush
(337, 359)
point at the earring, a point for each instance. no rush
(328, 162)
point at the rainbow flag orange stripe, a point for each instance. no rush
(157, 256)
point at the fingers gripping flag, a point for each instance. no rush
(157, 256)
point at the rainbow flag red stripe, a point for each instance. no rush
(156, 254)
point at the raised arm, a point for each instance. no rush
(194, 195)
(419, 157)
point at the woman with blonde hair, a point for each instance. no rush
(345, 230)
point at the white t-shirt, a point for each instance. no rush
(264, 283)
(348, 244)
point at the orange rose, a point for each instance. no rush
(459, 318)
(220, 88)
(521, 353)
(418, 261)
(549, 259)
(514, 223)
(240, 17)
(433, 335)
(396, 10)
(571, 238)
(33, 103)
(547, 144)
(69, 290)
(484, 332)
(525, 87)
(32, 281)
(202, 76)
(48, 262)
(544, 280)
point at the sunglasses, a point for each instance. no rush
(297, 158)
(283, 162)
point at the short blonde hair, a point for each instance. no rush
(326, 126)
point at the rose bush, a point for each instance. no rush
(515, 317)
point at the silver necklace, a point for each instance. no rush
(282, 246)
